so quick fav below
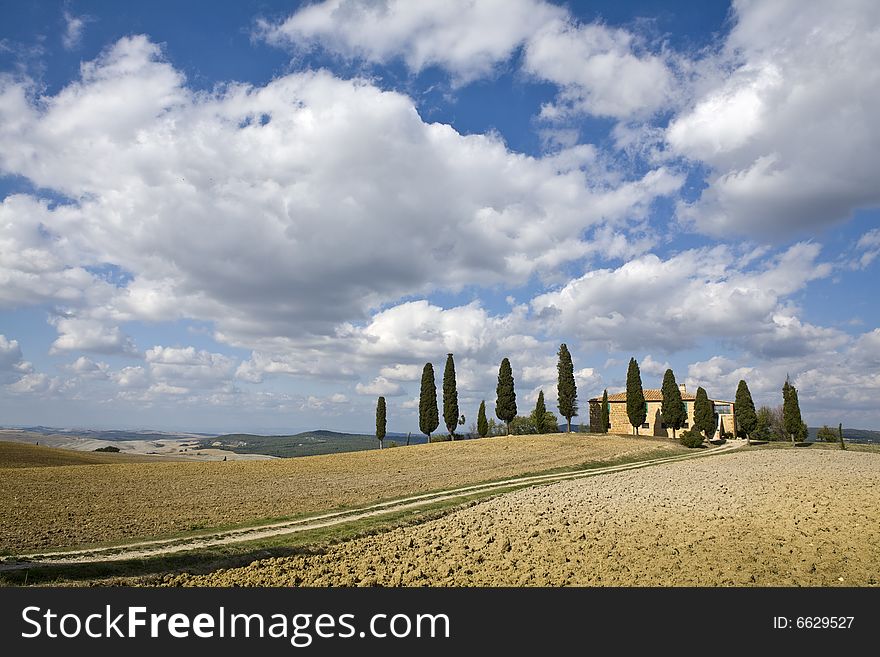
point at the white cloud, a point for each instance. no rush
(218, 204)
(785, 117)
(648, 365)
(76, 334)
(598, 71)
(840, 385)
(401, 372)
(467, 38)
(698, 294)
(130, 377)
(187, 366)
(596, 67)
(379, 386)
(163, 388)
(34, 383)
(867, 248)
(73, 30)
(12, 363)
(85, 367)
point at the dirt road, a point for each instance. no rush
(146, 549)
(784, 517)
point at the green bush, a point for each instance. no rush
(108, 448)
(691, 438)
(391, 444)
(828, 434)
(441, 438)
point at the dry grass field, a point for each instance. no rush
(63, 507)
(775, 517)
(24, 455)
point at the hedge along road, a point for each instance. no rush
(158, 548)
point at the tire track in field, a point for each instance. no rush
(161, 547)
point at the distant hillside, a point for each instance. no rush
(24, 455)
(307, 443)
(851, 435)
(114, 434)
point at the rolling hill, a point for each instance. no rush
(307, 443)
(25, 455)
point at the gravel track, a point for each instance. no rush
(59, 508)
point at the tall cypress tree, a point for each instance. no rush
(540, 414)
(604, 419)
(450, 397)
(744, 416)
(672, 410)
(636, 409)
(505, 402)
(704, 414)
(482, 422)
(791, 411)
(380, 421)
(428, 417)
(566, 390)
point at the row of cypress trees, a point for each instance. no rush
(673, 411)
(505, 399)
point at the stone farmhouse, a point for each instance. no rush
(653, 425)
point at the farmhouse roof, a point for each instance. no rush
(651, 395)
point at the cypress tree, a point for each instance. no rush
(380, 421)
(450, 397)
(636, 409)
(566, 390)
(840, 435)
(721, 430)
(744, 415)
(540, 413)
(791, 411)
(704, 414)
(505, 402)
(672, 410)
(428, 418)
(604, 419)
(482, 422)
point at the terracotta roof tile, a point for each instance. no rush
(651, 395)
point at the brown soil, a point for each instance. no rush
(60, 507)
(23, 455)
(770, 517)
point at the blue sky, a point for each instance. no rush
(260, 216)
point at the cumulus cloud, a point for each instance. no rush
(598, 71)
(401, 372)
(785, 118)
(130, 377)
(701, 293)
(467, 38)
(281, 210)
(87, 368)
(380, 386)
(187, 366)
(832, 385)
(79, 334)
(12, 364)
(34, 383)
(649, 365)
